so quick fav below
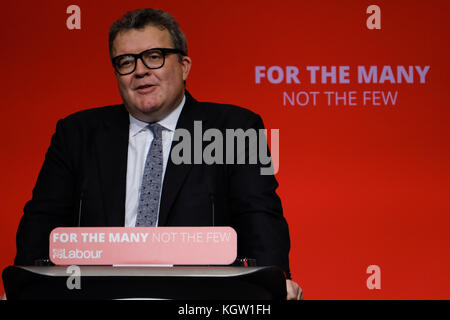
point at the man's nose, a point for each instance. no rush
(141, 69)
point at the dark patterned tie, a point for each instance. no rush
(151, 181)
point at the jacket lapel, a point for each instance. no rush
(175, 175)
(112, 147)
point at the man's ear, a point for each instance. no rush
(186, 64)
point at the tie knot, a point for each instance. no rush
(156, 129)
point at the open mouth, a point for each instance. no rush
(144, 88)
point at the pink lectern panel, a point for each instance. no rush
(143, 246)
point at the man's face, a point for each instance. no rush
(150, 94)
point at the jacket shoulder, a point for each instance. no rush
(229, 115)
(86, 123)
(97, 114)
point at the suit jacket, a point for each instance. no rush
(86, 164)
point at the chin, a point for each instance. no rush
(148, 107)
(149, 113)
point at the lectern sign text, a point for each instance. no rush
(143, 246)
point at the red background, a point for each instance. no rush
(359, 185)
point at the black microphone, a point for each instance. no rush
(80, 202)
(79, 208)
(211, 192)
(211, 197)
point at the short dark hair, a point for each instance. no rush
(141, 18)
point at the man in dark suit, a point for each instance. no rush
(96, 167)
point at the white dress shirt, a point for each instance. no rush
(139, 141)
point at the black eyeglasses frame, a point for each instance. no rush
(136, 56)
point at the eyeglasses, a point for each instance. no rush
(152, 59)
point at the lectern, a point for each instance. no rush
(179, 283)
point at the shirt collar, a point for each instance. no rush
(169, 122)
